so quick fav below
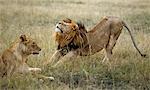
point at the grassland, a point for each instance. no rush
(37, 18)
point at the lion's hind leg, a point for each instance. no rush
(108, 54)
(110, 46)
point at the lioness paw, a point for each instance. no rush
(35, 69)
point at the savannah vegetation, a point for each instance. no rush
(37, 19)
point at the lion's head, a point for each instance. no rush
(66, 25)
(65, 31)
(28, 46)
(70, 35)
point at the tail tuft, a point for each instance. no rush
(144, 55)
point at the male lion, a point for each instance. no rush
(13, 60)
(73, 39)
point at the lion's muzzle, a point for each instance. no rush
(58, 29)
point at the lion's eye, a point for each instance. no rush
(33, 43)
(74, 27)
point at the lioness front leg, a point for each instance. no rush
(24, 68)
(34, 69)
(69, 56)
(36, 72)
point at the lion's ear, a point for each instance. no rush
(23, 38)
(75, 27)
(67, 20)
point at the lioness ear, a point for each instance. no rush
(23, 38)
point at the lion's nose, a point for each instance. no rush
(39, 49)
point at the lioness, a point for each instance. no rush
(73, 39)
(13, 60)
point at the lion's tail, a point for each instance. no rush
(126, 26)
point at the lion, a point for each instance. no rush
(74, 40)
(14, 59)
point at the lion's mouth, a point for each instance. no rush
(57, 29)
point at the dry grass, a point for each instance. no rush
(37, 18)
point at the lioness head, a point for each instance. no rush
(28, 46)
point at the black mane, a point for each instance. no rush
(81, 26)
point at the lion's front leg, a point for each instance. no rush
(55, 57)
(69, 56)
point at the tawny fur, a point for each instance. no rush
(13, 60)
(103, 36)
